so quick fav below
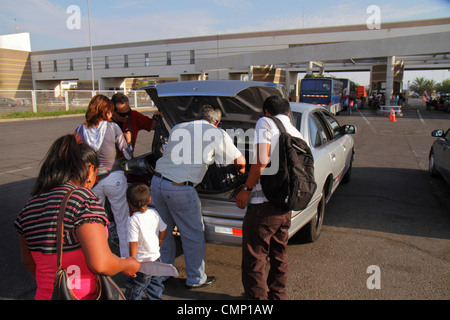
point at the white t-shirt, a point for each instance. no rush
(144, 228)
(191, 148)
(266, 131)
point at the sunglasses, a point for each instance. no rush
(124, 114)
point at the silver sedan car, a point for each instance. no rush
(241, 104)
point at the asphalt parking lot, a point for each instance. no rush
(392, 215)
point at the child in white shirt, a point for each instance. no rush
(146, 231)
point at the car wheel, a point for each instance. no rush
(311, 231)
(431, 165)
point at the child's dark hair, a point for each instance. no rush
(138, 195)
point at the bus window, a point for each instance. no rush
(326, 85)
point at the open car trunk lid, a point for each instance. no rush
(241, 105)
(239, 101)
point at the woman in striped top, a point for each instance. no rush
(68, 165)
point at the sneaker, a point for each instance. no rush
(209, 280)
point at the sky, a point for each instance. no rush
(52, 23)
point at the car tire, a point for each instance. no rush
(431, 166)
(311, 231)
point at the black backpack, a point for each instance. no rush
(293, 185)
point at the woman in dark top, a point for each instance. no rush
(69, 164)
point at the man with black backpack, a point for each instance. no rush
(265, 226)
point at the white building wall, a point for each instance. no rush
(16, 41)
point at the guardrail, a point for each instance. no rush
(47, 100)
(387, 109)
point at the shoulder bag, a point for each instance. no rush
(107, 289)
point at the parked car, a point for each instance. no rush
(439, 101)
(241, 105)
(439, 157)
(445, 101)
(8, 102)
(446, 107)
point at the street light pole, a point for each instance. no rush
(90, 47)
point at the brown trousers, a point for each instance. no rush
(265, 236)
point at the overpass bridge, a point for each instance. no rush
(414, 45)
(414, 52)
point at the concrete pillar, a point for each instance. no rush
(250, 73)
(389, 79)
(287, 81)
(309, 68)
(292, 83)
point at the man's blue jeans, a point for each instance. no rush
(152, 286)
(180, 206)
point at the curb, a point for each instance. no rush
(143, 109)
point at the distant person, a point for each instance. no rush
(146, 231)
(68, 165)
(104, 136)
(350, 106)
(371, 101)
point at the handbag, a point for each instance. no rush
(107, 289)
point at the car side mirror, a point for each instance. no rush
(349, 129)
(437, 133)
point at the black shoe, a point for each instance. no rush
(209, 280)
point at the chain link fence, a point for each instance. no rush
(46, 100)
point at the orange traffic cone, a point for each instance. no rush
(392, 115)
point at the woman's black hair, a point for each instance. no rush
(65, 161)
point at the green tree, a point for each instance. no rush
(420, 85)
(444, 86)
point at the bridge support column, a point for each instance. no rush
(389, 78)
(309, 68)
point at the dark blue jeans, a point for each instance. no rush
(152, 286)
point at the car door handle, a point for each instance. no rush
(333, 156)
